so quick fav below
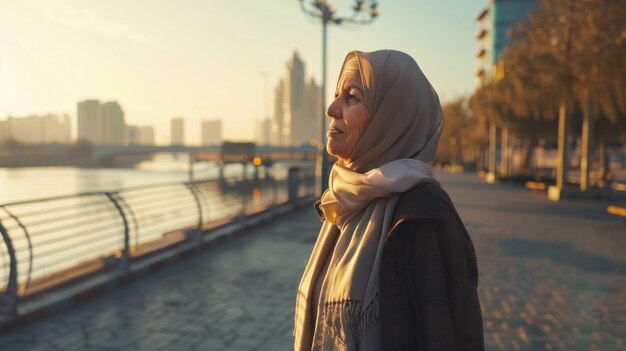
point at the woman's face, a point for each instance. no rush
(349, 117)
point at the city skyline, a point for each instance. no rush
(59, 52)
(100, 123)
(36, 129)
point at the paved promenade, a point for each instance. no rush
(552, 277)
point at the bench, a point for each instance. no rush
(619, 186)
(618, 211)
(536, 186)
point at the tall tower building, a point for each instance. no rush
(89, 124)
(313, 112)
(212, 132)
(495, 22)
(279, 132)
(178, 131)
(297, 107)
(112, 123)
(294, 96)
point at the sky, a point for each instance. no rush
(208, 59)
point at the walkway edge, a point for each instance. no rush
(99, 283)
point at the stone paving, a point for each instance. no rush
(552, 277)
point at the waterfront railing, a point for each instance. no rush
(49, 242)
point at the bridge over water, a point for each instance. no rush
(84, 154)
(228, 152)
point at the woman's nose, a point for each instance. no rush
(334, 110)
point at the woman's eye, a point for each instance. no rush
(352, 97)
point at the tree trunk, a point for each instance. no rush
(504, 152)
(584, 147)
(458, 153)
(452, 151)
(480, 159)
(604, 159)
(493, 129)
(528, 153)
(562, 165)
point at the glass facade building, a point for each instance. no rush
(495, 22)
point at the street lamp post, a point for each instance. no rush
(556, 192)
(326, 12)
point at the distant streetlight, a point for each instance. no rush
(326, 12)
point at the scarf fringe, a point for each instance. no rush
(370, 315)
(340, 318)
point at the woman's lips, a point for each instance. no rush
(334, 131)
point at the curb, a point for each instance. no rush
(95, 285)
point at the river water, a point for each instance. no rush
(19, 184)
(52, 236)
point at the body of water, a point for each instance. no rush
(19, 184)
(51, 236)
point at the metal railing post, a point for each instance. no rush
(197, 233)
(310, 183)
(124, 260)
(126, 206)
(294, 183)
(30, 248)
(244, 200)
(8, 299)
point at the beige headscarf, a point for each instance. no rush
(393, 155)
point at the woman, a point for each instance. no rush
(393, 267)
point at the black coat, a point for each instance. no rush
(429, 277)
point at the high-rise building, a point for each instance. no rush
(89, 124)
(314, 113)
(4, 131)
(177, 131)
(28, 130)
(279, 132)
(111, 123)
(57, 128)
(140, 135)
(212, 132)
(146, 135)
(495, 22)
(293, 96)
(44, 129)
(297, 107)
(264, 131)
(101, 123)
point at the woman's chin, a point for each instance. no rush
(335, 150)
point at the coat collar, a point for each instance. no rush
(318, 209)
